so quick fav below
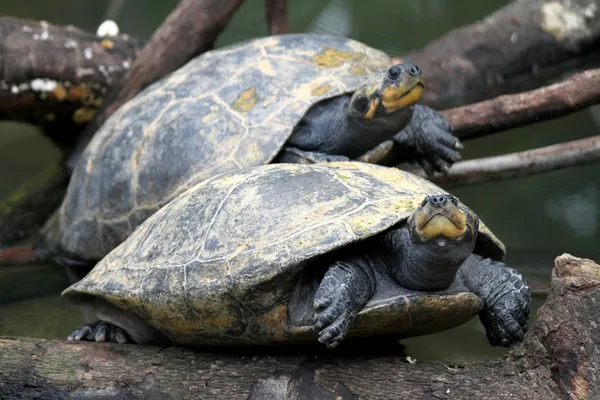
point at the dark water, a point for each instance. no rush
(537, 217)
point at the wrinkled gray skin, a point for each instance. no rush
(399, 255)
(335, 130)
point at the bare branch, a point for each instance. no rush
(188, 31)
(544, 159)
(277, 16)
(580, 91)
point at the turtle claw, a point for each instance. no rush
(99, 331)
(505, 318)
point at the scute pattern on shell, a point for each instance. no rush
(217, 263)
(229, 108)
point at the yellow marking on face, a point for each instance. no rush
(331, 58)
(321, 90)
(448, 221)
(440, 226)
(395, 98)
(246, 100)
(373, 104)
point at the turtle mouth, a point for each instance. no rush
(449, 224)
(394, 98)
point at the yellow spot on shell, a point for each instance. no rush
(358, 69)
(265, 66)
(107, 44)
(321, 90)
(83, 114)
(246, 100)
(330, 58)
(59, 93)
(78, 93)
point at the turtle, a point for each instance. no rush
(294, 98)
(284, 254)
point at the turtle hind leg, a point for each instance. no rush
(99, 331)
(115, 325)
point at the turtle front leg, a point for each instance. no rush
(427, 140)
(506, 299)
(99, 331)
(294, 155)
(343, 292)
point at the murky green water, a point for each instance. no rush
(537, 217)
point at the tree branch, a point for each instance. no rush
(557, 360)
(578, 92)
(519, 47)
(277, 16)
(56, 76)
(513, 165)
(188, 31)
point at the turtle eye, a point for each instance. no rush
(413, 70)
(393, 73)
(454, 200)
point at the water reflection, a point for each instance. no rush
(537, 217)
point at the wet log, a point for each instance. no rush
(519, 47)
(559, 359)
(56, 77)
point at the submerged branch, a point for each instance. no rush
(555, 361)
(513, 165)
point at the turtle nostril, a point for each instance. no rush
(438, 200)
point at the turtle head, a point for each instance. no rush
(441, 221)
(388, 91)
(438, 237)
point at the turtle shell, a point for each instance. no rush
(218, 263)
(228, 109)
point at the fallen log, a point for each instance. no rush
(523, 45)
(559, 359)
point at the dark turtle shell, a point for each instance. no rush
(218, 263)
(228, 109)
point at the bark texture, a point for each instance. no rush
(559, 359)
(518, 47)
(524, 163)
(57, 76)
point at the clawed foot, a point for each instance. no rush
(429, 141)
(335, 308)
(99, 332)
(505, 314)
